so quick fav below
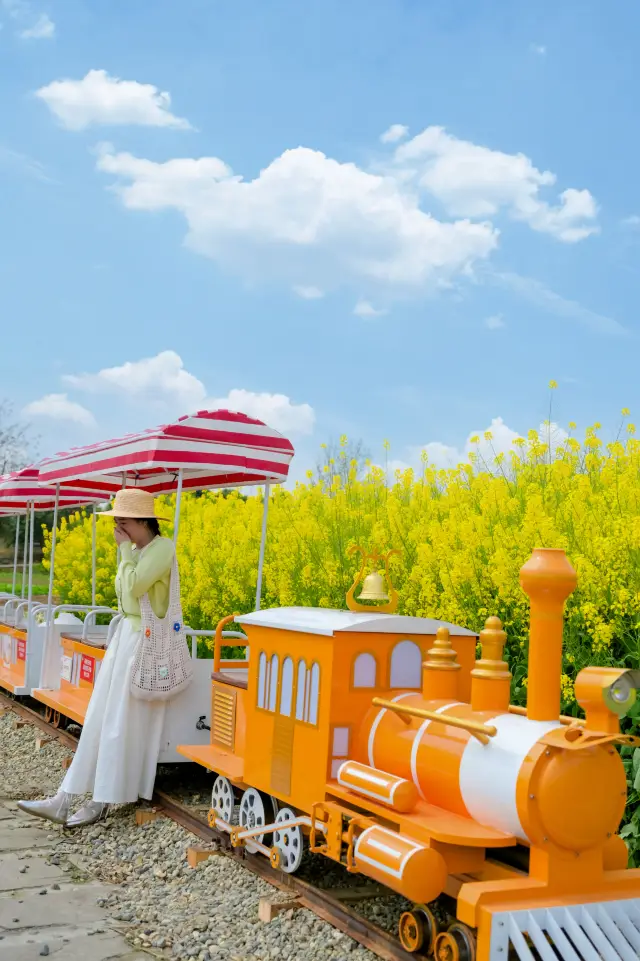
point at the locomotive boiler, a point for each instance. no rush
(382, 743)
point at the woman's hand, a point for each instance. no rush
(120, 535)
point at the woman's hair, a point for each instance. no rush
(152, 524)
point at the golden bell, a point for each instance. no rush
(373, 588)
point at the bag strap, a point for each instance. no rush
(174, 607)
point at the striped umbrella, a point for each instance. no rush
(24, 492)
(209, 450)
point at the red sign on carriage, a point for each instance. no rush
(22, 649)
(87, 668)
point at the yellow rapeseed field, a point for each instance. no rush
(464, 533)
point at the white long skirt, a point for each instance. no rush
(117, 755)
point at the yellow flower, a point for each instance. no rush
(553, 384)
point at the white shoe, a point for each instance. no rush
(54, 809)
(88, 814)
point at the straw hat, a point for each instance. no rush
(133, 502)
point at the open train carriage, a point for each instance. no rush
(24, 621)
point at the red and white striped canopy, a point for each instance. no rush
(214, 449)
(24, 488)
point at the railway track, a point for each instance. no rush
(332, 908)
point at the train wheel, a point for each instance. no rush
(48, 714)
(256, 809)
(417, 930)
(289, 841)
(222, 799)
(457, 943)
(56, 719)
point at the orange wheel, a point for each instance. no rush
(417, 930)
(56, 719)
(48, 714)
(457, 943)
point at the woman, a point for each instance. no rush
(117, 755)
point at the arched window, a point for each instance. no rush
(273, 682)
(301, 689)
(406, 665)
(307, 693)
(286, 687)
(315, 694)
(262, 681)
(364, 671)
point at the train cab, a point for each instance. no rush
(309, 679)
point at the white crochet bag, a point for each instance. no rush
(163, 665)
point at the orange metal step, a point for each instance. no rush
(72, 703)
(213, 758)
(12, 678)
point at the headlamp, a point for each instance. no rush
(620, 696)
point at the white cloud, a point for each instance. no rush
(22, 12)
(494, 322)
(59, 407)
(364, 309)
(15, 160)
(276, 410)
(101, 99)
(43, 29)
(539, 49)
(500, 441)
(632, 221)
(395, 132)
(474, 181)
(304, 213)
(537, 293)
(309, 293)
(162, 377)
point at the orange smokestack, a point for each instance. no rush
(548, 579)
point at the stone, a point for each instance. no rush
(59, 908)
(77, 947)
(21, 838)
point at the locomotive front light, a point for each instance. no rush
(621, 695)
(606, 694)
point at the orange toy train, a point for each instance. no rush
(379, 741)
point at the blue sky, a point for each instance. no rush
(270, 237)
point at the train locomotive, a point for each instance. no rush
(383, 743)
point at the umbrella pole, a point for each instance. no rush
(93, 557)
(263, 541)
(52, 558)
(25, 551)
(30, 594)
(176, 513)
(15, 556)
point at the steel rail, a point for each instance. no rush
(322, 903)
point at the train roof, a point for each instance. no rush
(325, 621)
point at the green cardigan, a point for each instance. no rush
(146, 571)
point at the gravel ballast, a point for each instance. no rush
(162, 904)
